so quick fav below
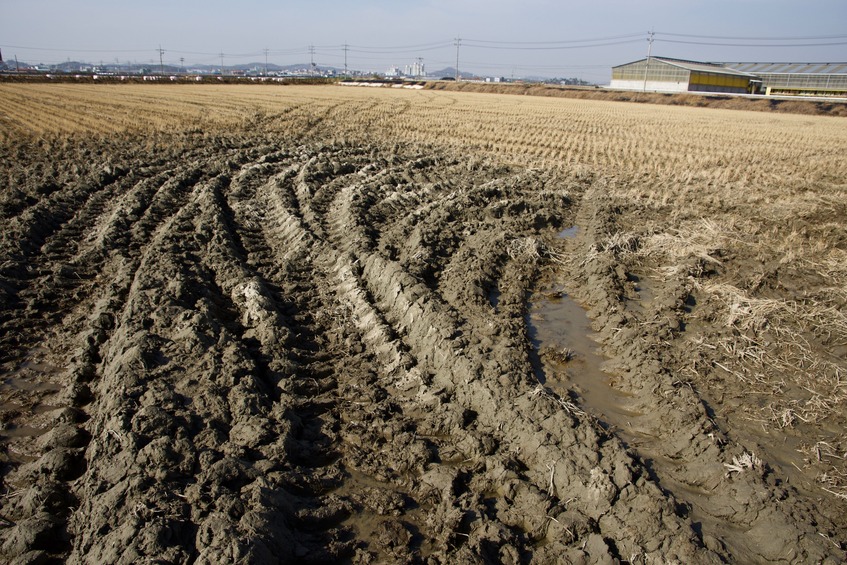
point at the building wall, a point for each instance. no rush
(660, 77)
(655, 71)
(718, 82)
(806, 84)
(652, 85)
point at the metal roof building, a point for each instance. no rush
(665, 74)
(677, 75)
(810, 79)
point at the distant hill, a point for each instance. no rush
(155, 68)
(450, 72)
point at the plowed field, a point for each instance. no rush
(314, 324)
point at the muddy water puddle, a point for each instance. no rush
(370, 522)
(566, 356)
(24, 404)
(567, 359)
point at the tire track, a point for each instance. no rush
(672, 427)
(108, 267)
(319, 353)
(433, 333)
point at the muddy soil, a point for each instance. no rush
(239, 349)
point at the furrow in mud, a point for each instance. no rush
(726, 489)
(255, 351)
(33, 246)
(70, 273)
(106, 258)
(477, 395)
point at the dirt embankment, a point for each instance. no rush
(234, 349)
(808, 107)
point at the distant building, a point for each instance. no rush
(806, 79)
(664, 74)
(676, 75)
(416, 69)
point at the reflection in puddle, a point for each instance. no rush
(567, 357)
(568, 233)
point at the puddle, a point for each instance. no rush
(567, 359)
(34, 374)
(17, 383)
(367, 521)
(25, 392)
(494, 296)
(643, 286)
(23, 432)
(568, 233)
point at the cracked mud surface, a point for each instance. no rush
(227, 348)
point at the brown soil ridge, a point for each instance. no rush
(699, 100)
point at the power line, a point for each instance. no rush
(782, 41)
(806, 38)
(559, 42)
(77, 50)
(752, 44)
(401, 47)
(555, 48)
(372, 55)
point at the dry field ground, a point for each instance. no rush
(320, 324)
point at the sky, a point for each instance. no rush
(510, 38)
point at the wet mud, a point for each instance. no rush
(237, 349)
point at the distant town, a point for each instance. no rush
(412, 71)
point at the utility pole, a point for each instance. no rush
(651, 33)
(458, 44)
(17, 67)
(161, 61)
(266, 61)
(346, 47)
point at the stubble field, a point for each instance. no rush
(325, 323)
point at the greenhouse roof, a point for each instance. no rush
(794, 68)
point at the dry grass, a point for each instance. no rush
(691, 147)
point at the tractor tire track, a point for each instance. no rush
(273, 352)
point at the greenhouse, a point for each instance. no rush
(664, 74)
(806, 79)
(676, 75)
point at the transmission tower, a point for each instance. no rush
(346, 47)
(312, 57)
(650, 35)
(266, 61)
(222, 63)
(161, 61)
(458, 44)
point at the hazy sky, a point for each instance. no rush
(499, 37)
